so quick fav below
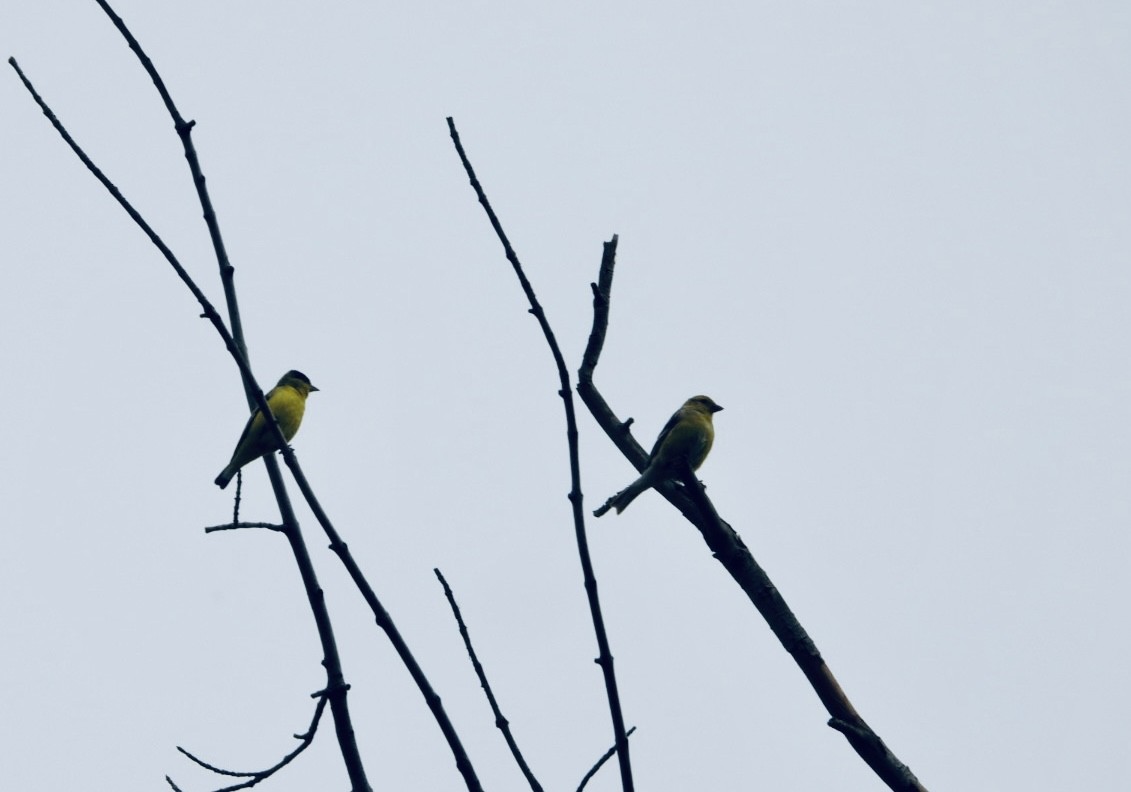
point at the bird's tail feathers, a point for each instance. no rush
(630, 493)
(225, 476)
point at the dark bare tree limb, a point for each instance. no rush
(500, 720)
(565, 391)
(237, 348)
(728, 548)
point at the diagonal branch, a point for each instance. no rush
(606, 756)
(336, 686)
(500, 719)
(386, 623)
(184, 131)
(210, 312)
(335, 679)
(565, 390)
(728, 547)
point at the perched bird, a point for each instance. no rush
(687, 436)
(287, 401)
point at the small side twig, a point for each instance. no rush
(235, 526)
(606, 756)
(237, 498)
(255, 776)
(500, 720)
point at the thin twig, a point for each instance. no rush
(606, 756)
(728, 547)
(210, 312)
(255, 776)
(237, 498)
(565, 390)
(184, 131)
(239, 525)
(500, 719)
(386, 623)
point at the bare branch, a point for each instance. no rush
(386, 623)
(727, 546)
(184, 131)
(332, 662)
(500, 720)
(210, 312)
(565, 391)
(351, 754)
(235, 526)
(255, 776)
(606, 756)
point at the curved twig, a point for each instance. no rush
(606, 756)
(255, 776)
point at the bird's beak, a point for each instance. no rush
(312, 389)
(716, 408)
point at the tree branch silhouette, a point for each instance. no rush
(255, 776)
(331, 660)
(565, 391)
(501, 721)
(606, 756)
(237, 348)
(728, 547)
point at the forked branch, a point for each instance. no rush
(565, 391)
(728, 547)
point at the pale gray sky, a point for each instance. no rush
(891, 239)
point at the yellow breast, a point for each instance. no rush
(288, 406)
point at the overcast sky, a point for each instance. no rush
(891, 239)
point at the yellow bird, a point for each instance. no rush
(687, 436)
(287, 401)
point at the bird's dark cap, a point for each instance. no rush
(707, 402)
(298, 375)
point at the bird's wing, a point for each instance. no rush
(247, 428)
(667, 430)
(251, 419)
